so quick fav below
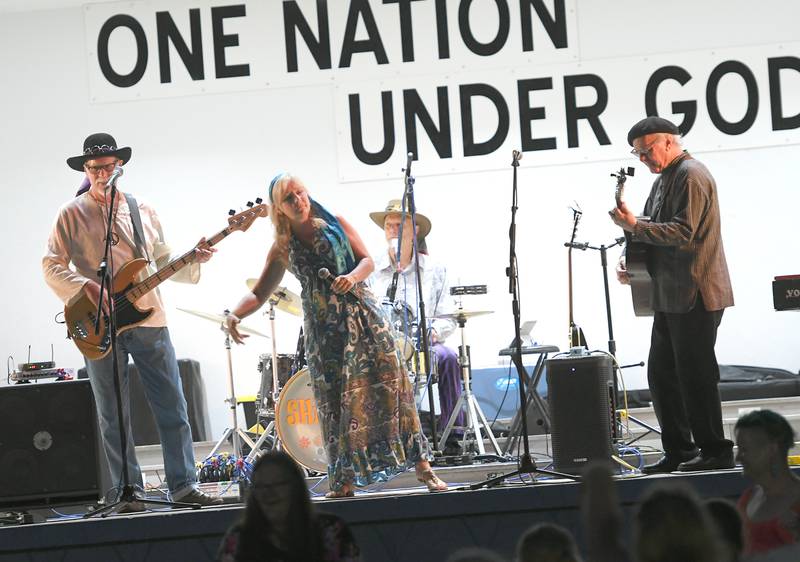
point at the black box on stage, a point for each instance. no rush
(48, 444)
(580, 390)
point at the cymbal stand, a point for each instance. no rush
(475, 417)
(269, 431)
(234, 432)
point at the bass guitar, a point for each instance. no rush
(80, 313)
(635, 257)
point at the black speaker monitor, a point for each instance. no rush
(48, 444)
(580, 390)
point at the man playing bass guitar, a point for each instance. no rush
(78, 238)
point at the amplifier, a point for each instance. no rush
(786, 292)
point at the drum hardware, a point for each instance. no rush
(282, 299)
(466, 400)
(234, 432)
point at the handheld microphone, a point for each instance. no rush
(323, 273)
(112, 180)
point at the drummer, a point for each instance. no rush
(436, 291)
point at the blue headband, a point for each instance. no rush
(273, 182)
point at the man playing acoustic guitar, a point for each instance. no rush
(78, 237)
(691, 289)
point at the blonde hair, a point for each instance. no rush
(280, 222)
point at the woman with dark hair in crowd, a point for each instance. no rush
(771, 507)
(279, 523)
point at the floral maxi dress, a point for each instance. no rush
(364, 397)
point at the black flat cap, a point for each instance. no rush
(650, 125)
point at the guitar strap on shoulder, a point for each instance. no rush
(138, 231)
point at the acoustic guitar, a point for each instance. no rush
(635, 258)
(80, 312)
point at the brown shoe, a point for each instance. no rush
(433, 482)
(345, 491)
(131, 507)
(200, 498)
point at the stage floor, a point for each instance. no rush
(395, 521)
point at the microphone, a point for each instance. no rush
(112, 180)
(323, 273)
(409, 159)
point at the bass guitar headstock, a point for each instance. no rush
(243, 220)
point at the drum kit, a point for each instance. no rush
(287, 416)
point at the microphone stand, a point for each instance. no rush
(408, 199)
(612, 344)
(106, 274)
(525, 463)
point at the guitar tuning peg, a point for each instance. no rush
(249, 203)
(231, 212)
(259, 200)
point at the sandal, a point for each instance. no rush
(433, 482)
(343, 492)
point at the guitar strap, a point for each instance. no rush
(138, 231)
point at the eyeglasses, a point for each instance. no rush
(645, 152)
(108, 168)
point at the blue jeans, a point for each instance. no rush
(154, 356)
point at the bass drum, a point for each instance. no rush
(297, 423)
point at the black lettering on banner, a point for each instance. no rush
(414, 109)
(555, 25)
(357, 134)
(222, 41)
(779, 121)
(406, 29)
(442, 35)
(466, 93)
(167, 33)
(732, 67)
(687, 108)
(116, 79)
(373, 43)
(528, 114)
(320, 49)
(493, 46)
(591, 112)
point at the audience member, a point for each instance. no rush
(727, 527)
(547, 542)
(280, 524)
(770, 508)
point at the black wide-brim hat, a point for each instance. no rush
(98, 145)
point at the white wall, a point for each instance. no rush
(197, 154)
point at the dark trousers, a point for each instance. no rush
(683, 374)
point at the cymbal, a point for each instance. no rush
(464, 314)
(282, 298)
(220, 319)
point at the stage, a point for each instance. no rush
(393, 522)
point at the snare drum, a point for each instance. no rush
(298, 425)
(401, 319)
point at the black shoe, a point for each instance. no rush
(709, 462)
(200, 498)
(668, 463)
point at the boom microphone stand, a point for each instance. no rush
(106, 274)
(612, 344)
(525, 463)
